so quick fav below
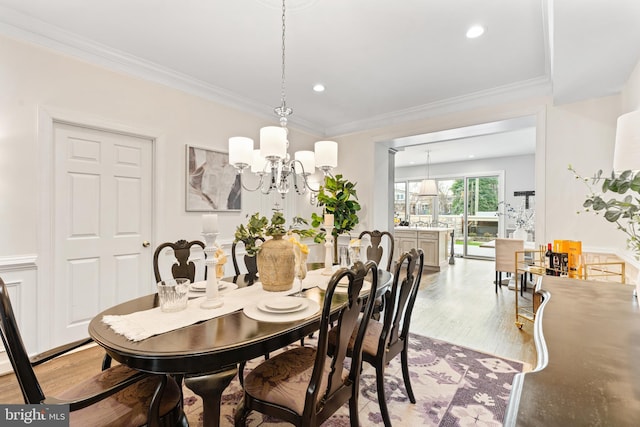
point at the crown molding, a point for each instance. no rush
(540, 86)
(24, 28)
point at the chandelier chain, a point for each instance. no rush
(283, 81)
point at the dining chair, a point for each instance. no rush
(250, 262)
(181, 253)
(117, 396)
(376, 251)
(384, 340)
(305, 385)
(506, 257)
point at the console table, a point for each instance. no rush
(587, 337)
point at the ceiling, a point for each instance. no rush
(382, 62)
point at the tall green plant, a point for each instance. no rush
(623, 211)
(338, 197)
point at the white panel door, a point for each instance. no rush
(102, 216)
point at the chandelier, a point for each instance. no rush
(271, 163)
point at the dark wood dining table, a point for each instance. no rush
(207, 353)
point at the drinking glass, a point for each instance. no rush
(344, 256)
(301, 273)
(173, 294)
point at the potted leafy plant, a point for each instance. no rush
(623, 211)
(622, 208)
(275, 257)
(338, 197)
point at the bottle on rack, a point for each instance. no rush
(548, 261)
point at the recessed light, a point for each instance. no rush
(471, 156)
(475, 31)
(318, 87)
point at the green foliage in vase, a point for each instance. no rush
(624, 210)
(338, 197)
(258, 227)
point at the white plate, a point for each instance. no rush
(264, 306)
(199, 286)
(283, 303)
(192, 288)
(252, 311)
(366, 286)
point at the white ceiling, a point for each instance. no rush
(381, 61)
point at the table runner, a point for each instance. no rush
(144, 324)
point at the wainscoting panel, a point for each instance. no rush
(19, 274)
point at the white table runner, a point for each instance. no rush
(144, 324)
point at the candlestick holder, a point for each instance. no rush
(328, 252)
(212, 299)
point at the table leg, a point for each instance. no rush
(210, 387)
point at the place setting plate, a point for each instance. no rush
(283, 305)
(200, 288)
(282, 309)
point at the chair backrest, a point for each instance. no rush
(399, 302)
(339, 391)
(376, 250)
(506, 254)
(250, 262)
(181, 251)
(31, 390)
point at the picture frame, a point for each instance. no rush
(212, 184)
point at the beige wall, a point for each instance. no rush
(33, 79)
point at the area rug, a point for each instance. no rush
(453, 385)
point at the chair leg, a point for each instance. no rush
(353, 408)
(382, 402)
(240, 417)
(405, 373)
(241, 373)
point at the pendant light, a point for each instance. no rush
(428, 186)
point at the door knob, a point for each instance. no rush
(145, 244)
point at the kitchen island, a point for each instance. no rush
(434, 241)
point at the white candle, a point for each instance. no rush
(210, 223)
(328, 220)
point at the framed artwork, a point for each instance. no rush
(212, 183)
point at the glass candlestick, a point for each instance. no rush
(328, 252)
(212, 299)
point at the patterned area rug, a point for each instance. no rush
(453, 385)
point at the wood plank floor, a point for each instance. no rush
(458, 305)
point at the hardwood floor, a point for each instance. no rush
(458, 305)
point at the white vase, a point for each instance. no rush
(520, 234)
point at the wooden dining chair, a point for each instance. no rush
(385, 340)
(376, 251)
(250, 262)
(118, 396)
(304, 385)
(181, 252)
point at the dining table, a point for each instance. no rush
(207, 353)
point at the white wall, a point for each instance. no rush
(33, 78)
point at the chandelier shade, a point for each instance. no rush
(271, 158)
(428, 187)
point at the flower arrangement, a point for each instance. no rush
(523, 217)
(623, 211)
(258, 227)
